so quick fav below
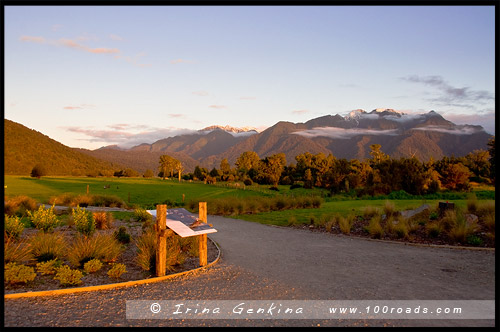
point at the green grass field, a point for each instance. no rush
(140, 192)
(147, 192)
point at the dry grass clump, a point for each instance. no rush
(19, 205)
(375, 228)
(17, 251)
(370, 211)
(345, 223)
(103, 220)
(48, 246)
(99, 246)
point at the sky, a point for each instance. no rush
(91, 76)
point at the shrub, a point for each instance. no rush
(67, 276)
(17, 251)
(489, 222)
(474, 240)
(146, 251)
(81, 200)
(44, 219)
(449, 220)
(48, 267)
(462, 229)
(103, 220)
(316, 202)
(84, 221)
(19, 205)
(116, 270)
(374, 227)
(472, 204)
(99, 246)
(434, 229)
(13, 226)
(401, 228)
(175, 256)
(92, 266)
(107, 200)
(142, 215)
(190, 245)
(121, 235)
(389, 208)
(15, 273)
(485, 209)
(248, 182)
(369, 212)
(48, 246)
(345, 224)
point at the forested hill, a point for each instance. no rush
(24, 148)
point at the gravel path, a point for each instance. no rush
(262, 262)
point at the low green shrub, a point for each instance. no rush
(44, 219)
(67, 276)
(141, 215)
(92, 266)
(83, 220)
(48, 267)
(117, 270)
(121, 235)
(15, 273)
(13, 226)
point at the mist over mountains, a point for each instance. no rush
(423, 135)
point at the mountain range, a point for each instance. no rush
(423, 135)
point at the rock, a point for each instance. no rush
(410, 213)
(471, 219)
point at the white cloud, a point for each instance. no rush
(341, 133)
(459, 130)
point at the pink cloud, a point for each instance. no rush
(298, 112)
(73, 108)
(39, 40)
(103, 50)
(180, 61)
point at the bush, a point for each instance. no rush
(19, 205)
(38, 171)
(374, 227)
(99, 246)
(462, 230)
(292, 220)
(67, 276)
(345, 224)
(15, 273)
(48, 267)
(48, 246)
(17, 251)
(13, 226)
(103, 220)
(84, 221)
(434, 229)
(116, 270)
(389, 208)
(141, 215)
(146, 251)
(44, 219)
(92, 266)
(369, 212)
(122, 235)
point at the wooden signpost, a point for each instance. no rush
(202, 239)
(184, 224)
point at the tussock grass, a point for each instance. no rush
(48, 246)
(19, 205)
(16, 251)
(374, 227)
(99, 246)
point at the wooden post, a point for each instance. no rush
(202, 239)
(87, 189)
(161, 240)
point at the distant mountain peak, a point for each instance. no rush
(231, 130)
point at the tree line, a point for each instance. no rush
(380, 174)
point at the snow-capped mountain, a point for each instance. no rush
(231, 130)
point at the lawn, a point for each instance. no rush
(142, 192)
